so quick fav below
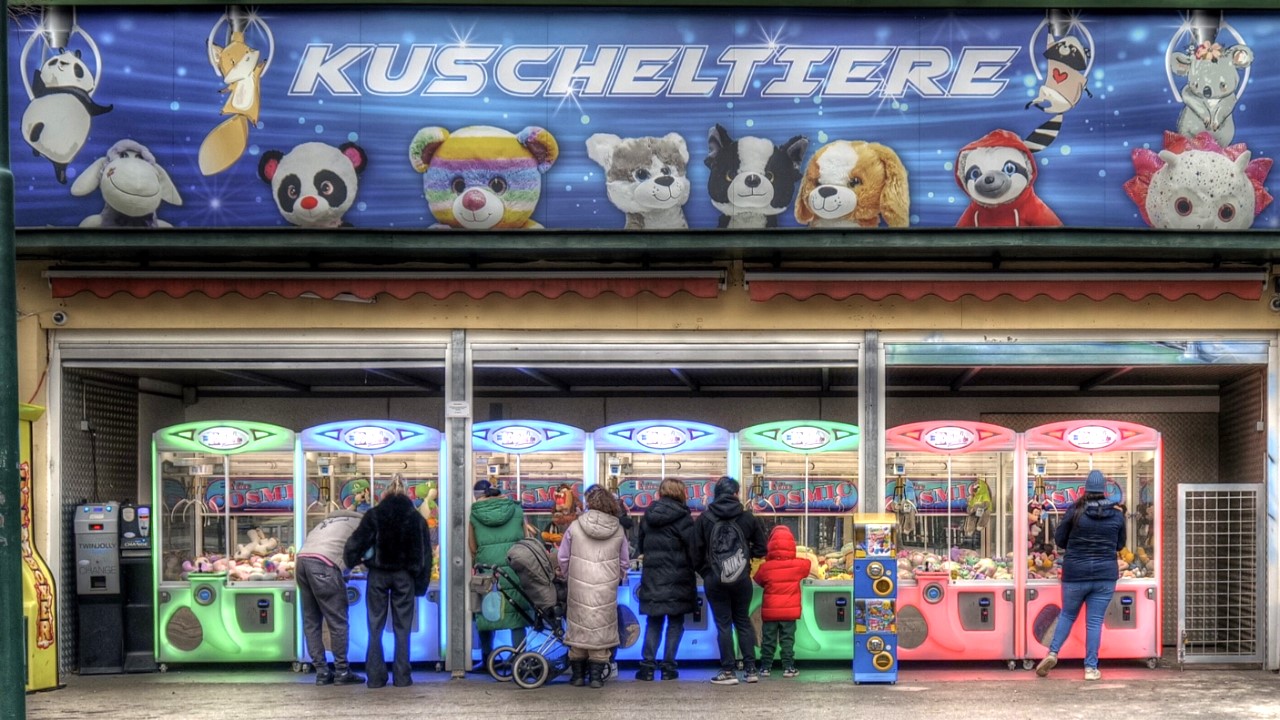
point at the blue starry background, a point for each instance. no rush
(165, 95)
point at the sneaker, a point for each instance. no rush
(752, 676)
(1092, 674)
(764, 672)
(645, 673)
(1046, 664)
(725, 677)
(670, 673)
(347, 678)
(790, 672)
(613, 671)
(324, 677)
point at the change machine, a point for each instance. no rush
(224, 541)
(349, 465)
(633, 458)
(1058, 458)
(804, 474)
(951, 488)
(543, 465)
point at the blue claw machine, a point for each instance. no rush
(224, 541)
(349, 465)
(804, 474)
(541, 464)
(633, 458)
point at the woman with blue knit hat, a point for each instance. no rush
(1092, 532)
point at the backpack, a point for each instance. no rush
(727, 551)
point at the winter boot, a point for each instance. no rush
(578, 670)
(669, 671)
(597, 674)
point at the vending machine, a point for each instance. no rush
(875, 594)
(632, 459)
(804, 474)
(225, 534)
(543, 465)
(1058, 458)
(952, 489)
(348, 465)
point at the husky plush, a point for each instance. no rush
(133, 185)
(56, 123)
(752, 181)
(646, 178)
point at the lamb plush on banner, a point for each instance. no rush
(133, 186)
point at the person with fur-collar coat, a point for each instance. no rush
(394, 544)
(594, 558)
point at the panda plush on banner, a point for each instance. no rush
(315, 184)
(56, 123)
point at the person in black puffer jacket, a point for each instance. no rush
(1092, 532)
(668, 586)
(399, 570)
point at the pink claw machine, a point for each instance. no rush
(951, 487)
(1058, 458)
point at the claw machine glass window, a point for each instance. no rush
(225, 542)
(349, 465)
(951, 488)
(1059, 457)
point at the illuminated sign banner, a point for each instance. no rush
(416, 118)
(269, 494)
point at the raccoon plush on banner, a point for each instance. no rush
(752, 181)
(998, 173)
(56, 123)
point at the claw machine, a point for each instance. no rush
(951, 487)
(633, 458)
(541, 464)
(1058, 458)
(804, 474)
(349, 465)
(224, 542)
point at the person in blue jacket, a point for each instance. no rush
(1092, 533)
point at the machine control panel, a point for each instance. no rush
(135, 527)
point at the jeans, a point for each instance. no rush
(1095, 595)
(394, 591)
(731, 607)
(653, 635)
(323, 596)
(778, 632)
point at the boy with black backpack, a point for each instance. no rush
(732, 537)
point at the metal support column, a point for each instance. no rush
(871, 423)
(458, 431)
(1271, 574)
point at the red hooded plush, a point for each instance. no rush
(998, 173)
(780, 576)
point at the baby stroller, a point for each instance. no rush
(538, 595)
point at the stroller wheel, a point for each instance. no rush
(530, 670)
(500, 662)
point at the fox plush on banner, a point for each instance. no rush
(241, 69)
(998, 173)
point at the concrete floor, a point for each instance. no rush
(973, 690)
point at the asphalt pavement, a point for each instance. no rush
(825, 690)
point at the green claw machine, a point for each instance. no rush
(224, 543)
(804, 474)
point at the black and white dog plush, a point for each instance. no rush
(315, 184)
(133, 185)
(752, 180)
(56, 123)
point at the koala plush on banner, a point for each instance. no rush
(646, 178)
(133, 186)
(1196, 184)
(56, 123)
(998, 173)
(752, 181)
(854, 184)
(1209, 96)
(482, 177)
(315, 184)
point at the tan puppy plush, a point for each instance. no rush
(853, 184)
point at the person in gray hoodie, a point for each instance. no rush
(322, 592)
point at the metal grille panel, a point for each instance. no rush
(1219, 569)
(110, 405)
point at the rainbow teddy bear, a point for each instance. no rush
(481, 177)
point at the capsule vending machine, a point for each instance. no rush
(224, 537)
(951, 487)
(633, 458)
(875, 597)
(804, 474)
(1058, 459)
(543, 466)
(348, 465)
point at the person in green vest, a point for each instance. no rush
(497, 522)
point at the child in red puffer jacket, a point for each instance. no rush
(780, 576)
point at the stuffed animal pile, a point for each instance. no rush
(277, 567)
(961, 563)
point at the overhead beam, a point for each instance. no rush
(964, 379)
(545, 379)
(683, 377)
(1104, 378)
(404, 379)
(266, 379)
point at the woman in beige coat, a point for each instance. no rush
(594, 559)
